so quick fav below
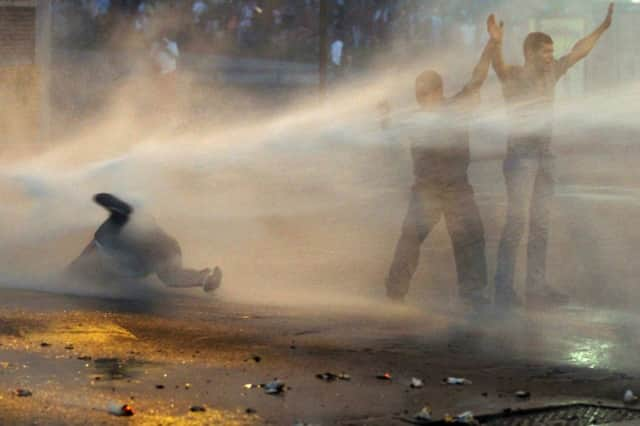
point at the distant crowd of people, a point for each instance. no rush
(286, 29)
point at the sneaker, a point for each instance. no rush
(213, 281)
(113, 204)
(507, 299)
(544, 296)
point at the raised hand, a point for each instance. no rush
(495, 31)
(607, 21)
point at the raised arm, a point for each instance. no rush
(584, 46)
(496, 32)
(481, 70)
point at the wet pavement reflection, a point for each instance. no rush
(198, 352)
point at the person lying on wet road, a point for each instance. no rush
(123, 248)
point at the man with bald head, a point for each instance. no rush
(440, 152)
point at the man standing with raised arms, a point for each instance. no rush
(528, 167)
(440, 151)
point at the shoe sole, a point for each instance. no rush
(213, 281)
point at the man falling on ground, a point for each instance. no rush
(121, 249)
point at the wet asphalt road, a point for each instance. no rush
(164, 355)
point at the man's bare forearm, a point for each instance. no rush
(583, 47)
(481, 70)
(497, 60)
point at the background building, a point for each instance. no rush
(24, 55)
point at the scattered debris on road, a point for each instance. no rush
(416, 383)
(327, 377)
(23, 392)
(274, 387)
(330, 377)
(423, 415)
(630, 397)
(197, 409)
(385, 376)
(465, 418)
(456, 381)
(121, 410)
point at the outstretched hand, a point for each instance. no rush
(607, 21)
(495, 31)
